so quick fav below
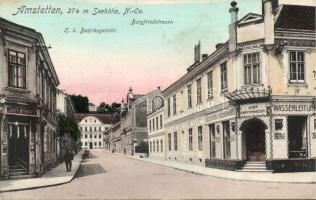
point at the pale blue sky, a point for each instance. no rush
(103, 66)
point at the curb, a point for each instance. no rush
(217, 176)
(44, 186)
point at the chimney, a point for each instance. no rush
(197, 52)
(204, 56)
(233, 27)
(268, 23)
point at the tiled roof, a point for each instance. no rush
(296, 17)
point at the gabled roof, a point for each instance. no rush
(250, 18)
(296, 17)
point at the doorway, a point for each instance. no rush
(212, 141)
(18, 145)
(297, 136)
(254, 133)
(91, 145)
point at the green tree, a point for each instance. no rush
(66, 125)
(81, 103)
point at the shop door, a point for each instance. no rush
(254, 131)
(18, 145)
(297, 136)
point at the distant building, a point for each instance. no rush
(155, 126)
(92, 107)
(28, 103)
(92, 127)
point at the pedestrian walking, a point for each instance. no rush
(68, 157)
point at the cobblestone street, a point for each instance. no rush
(112, 176)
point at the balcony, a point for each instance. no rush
(248, 95)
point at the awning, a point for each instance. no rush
(249, 94)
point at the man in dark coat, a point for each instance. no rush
(68, 157)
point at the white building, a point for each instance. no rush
(155, 125)
(92, 127)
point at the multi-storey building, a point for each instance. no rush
(155, 126)
(253, 98)
(28, 102)
(92, 127)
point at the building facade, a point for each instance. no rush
(155, 127)
(28, 103)
(253, 98)
(92, 127)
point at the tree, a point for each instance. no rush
(109, 109)
(66, 125)
(81, 103)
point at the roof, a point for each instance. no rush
(296, 17)
(104, 118)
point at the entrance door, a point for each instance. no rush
(18, 145)
(212, 141)
(91, 145)
(254, 131)
(297, 135)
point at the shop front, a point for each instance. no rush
(18, 141)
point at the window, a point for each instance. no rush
(157, 146)
(210, 84)
(154, 144)
(80, 128)
(200, 138)
(150, 145)
(90, 135)
(86, 135)
(226, 140)
(154, 124)
(85, 129)
(198, 92)
(100, 135)
(86, 143)
(169, 141)
(252, 68)
(161, 146)
(95, 128)
(278, 124)
(174, 98)
(175, 141)
(95, 136)
(149, 125)
(190, 140)
(17, 69)
(314, 124)
(223, 77)
(169, 107)
(90, 129)
(99, 143)
(297, 66)
(161, 121)
(189, 96)
(100, 129)
(157, 123)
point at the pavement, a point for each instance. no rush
(56, 176)
(298, 177)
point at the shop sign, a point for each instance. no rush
(293, 108)
(21, 111)
(279, 135)
(220, 116)
(254, 109)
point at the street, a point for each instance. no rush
(112, 176)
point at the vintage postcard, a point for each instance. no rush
(157, 99)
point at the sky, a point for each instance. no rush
(104, 66)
